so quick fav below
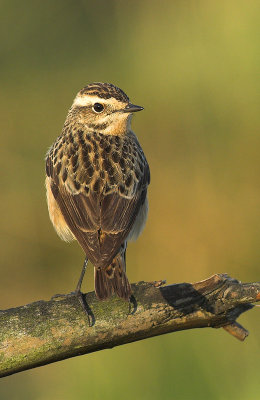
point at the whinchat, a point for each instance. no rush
(97, 179)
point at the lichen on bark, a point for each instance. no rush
(48, 331)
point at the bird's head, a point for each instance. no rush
(105, 108)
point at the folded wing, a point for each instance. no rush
(102, 220)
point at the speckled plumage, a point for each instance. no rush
(97, 184)
(85, 162)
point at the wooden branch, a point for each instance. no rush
(47, 331)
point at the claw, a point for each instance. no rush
(85, 307)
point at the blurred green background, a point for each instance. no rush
(193, 65)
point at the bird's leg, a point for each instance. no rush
(132, 302)
(79, 293)
(82, 275)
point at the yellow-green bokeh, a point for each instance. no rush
(194, 66)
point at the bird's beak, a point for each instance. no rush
(130, 108)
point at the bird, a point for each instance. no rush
(96, 182)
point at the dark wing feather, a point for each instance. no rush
(79, 214)
(118, 215)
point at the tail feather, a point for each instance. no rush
(112, 279)
(103, 288)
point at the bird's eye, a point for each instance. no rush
(98, 108)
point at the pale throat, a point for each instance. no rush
(118, 126)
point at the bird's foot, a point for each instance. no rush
(132, 305)
(82, 301)
(84, 306)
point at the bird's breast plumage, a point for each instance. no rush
(83, 161)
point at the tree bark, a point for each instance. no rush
(47, 331)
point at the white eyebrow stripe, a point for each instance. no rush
(83, 101)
